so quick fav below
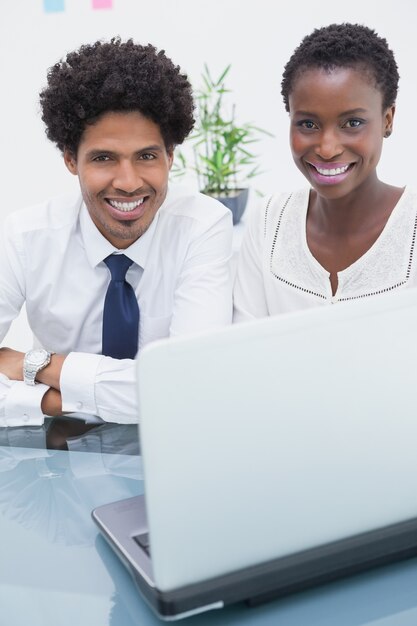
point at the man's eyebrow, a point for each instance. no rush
(100, 151)
(154, 148)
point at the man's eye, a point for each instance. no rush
(147, 156)
(101, 158)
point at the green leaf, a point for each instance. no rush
(223, 75)
(219, 144)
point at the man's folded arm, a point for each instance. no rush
(83, 383)
(20, 404)
(91, 384)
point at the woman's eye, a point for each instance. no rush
(353, 123)
(308, 124)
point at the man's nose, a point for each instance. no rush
(127, 177)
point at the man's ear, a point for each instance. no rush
(170, 153)
(70, 161)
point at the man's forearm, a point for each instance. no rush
(51, 374)
(11, 364)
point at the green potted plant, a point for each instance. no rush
(221, 159)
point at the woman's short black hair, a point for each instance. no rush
(344, 45)
(115, 76)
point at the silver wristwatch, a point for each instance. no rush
(34, 361)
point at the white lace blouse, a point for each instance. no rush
(277, 273)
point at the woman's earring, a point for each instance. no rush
(387, 133)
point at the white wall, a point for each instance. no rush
(256, 37)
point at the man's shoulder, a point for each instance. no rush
(183, 202)
(55, 213)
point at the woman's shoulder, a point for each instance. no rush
(409, 194)
(282, 203)
(265, 215)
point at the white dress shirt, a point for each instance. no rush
(277, 273)
(51, 258)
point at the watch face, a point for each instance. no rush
(36, 357)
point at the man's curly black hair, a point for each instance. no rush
(115, 76)
(344, 45)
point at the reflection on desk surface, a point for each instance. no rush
(65, 433)
(53, 491)
(56, 570)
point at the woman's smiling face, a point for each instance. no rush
(337, 128)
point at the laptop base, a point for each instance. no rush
(383, 547)
(260, 583)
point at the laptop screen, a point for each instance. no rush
(270, 437)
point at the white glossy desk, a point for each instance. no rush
(56, 571)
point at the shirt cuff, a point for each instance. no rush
(23, 404)
(77, 382)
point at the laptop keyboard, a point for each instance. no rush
(143, 541)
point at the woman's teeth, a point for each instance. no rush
(332, 172)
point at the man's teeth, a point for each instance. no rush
(333, 171)
(126, 206)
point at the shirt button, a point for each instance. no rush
(79, 406)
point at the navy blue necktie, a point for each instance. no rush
(121, 311)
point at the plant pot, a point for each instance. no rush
(236, 201)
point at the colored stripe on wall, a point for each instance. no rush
(102, 4)
(53, 6)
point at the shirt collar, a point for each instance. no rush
(97, 247)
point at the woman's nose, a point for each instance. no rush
(329, 145)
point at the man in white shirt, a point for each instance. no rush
(116, 110)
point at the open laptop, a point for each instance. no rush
(277, 454)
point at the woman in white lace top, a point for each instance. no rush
(348, 235)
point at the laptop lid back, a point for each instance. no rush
(267, 438)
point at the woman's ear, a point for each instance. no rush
(389, 120)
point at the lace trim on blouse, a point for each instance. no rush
(385, 266)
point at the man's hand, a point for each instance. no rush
(52, 403)
(11, 363)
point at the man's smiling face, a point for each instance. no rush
(123, 165)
